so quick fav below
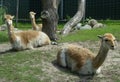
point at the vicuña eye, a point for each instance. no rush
(106, 40)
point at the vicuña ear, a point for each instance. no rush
(12, 17)
(100, 36)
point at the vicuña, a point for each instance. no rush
(34, 25)
(82, 60)
(25, 39)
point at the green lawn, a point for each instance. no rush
(83, 35)
(19, 66)
(3, 36)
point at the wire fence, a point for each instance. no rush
(103, 9)
(98, 9)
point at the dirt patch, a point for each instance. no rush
(110, 68)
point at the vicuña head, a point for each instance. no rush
(108, 41)
(34, 25)
(25, 39)
(9, 18)
(8, 21)
(32, 14)
(82, 60)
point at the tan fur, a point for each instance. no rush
(78, 54)
(26, 36)
(7, 18)
(25, 39)
(34, 25)
(11, 35)
(99, 59)
(78, 57)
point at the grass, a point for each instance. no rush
(3, 37)
(84, 35)
(24, 26)
(20, 66)
(29, 66)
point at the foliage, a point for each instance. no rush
(68, 17)
(2, 12)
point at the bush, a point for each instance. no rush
(2, 12)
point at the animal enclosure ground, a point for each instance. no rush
(39, 65)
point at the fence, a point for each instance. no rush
(103, 9)
(98, 9)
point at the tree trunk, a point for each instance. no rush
(50, 17)
(76, 18)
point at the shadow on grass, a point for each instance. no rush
(82, 78)
(6, 51)
(9, 51)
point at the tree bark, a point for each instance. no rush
(50, 17)
(75, 19)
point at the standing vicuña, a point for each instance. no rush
(82, 60)
(34, 25)
(25, 39)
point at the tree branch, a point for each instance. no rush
(76, 18)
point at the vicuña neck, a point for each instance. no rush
(99, 59)
(10, 29)
(33, 23)
(11, 33)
